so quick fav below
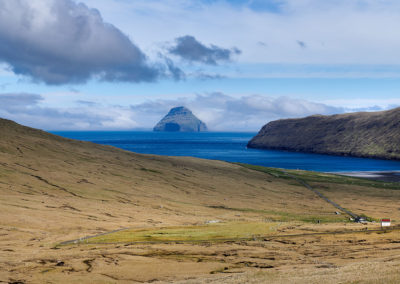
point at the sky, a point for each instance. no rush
(122, 64)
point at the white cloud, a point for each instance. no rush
(59, 42)
(71, 43)
(222, 112)
(31, 110)
(364, 104)
(219, 111)
(335, 32)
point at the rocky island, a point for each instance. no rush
(362, 134)
(180, 119)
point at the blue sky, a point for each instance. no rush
(120, 65)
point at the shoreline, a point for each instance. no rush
(388, 176)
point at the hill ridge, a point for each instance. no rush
(361, 134)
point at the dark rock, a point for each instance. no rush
(363, 134)
(180, 119)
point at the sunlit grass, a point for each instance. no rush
(210, 232)
(310, 176)
(281, 216)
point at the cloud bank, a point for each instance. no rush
(221, 112)
(60, 41)
(30, 109)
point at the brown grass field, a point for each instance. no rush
(263, 225)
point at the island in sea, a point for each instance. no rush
(180, 119)
(361, 134)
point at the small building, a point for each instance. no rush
(385, 222)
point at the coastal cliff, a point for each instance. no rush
(180, 119)
(362, 134)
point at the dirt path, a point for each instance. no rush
(81, 240)
(354, 216)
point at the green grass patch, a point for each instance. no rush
(280, 216)
(211, 232)
(309, 176)
(369, 219)
(6, 172)
(275, 172)
(150, 170)
(118, 175)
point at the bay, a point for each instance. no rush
(226, 146)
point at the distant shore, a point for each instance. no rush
(389, 176)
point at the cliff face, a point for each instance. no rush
(364, 134)
(180, 119)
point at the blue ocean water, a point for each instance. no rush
(227, 147)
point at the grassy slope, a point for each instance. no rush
(67, 174)
(54, 189)
(365, 134)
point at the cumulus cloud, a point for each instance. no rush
(29, 109)
(190, 49)
(60, 41)
(252, 111)
(221, 112)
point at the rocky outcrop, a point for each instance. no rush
(363, 134)
(180, 119)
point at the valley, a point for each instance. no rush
(181, 219)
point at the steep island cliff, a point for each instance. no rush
(362, 134)
(180, 119)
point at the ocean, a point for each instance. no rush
(226, 146)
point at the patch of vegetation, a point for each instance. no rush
(368, 218)
(117, 175)
(210, 232)
(275, 172)
(150, 170)
(309, 176)
(86, 159)
(220, 270)
(5, 172)
(5, 150)
(279, 216)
